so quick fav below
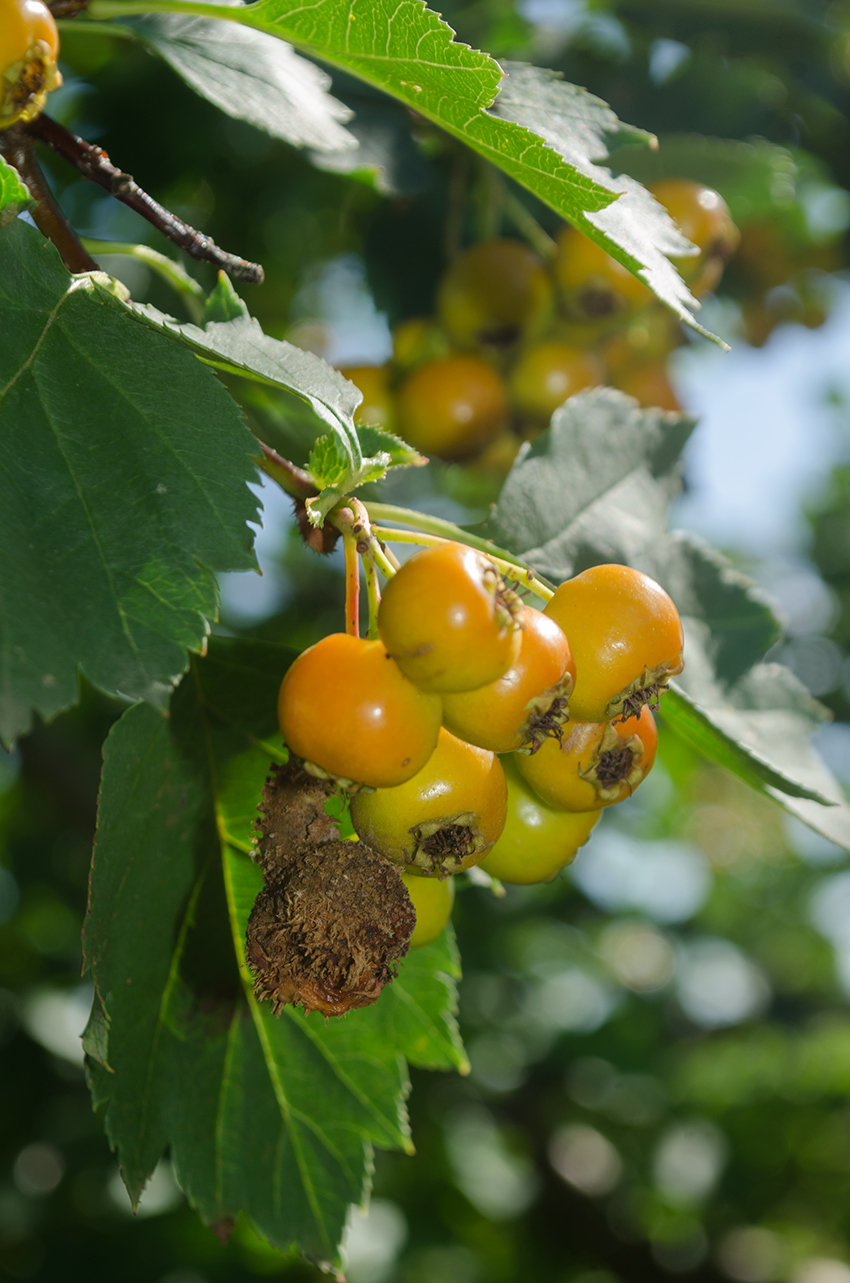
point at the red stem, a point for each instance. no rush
(352, 586)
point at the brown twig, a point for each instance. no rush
(47, 213)
(294, 480)
(94, 164)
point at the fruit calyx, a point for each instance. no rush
(645, 689)
(26, 83)
(615, 763)
(548, 713)
(444, 846)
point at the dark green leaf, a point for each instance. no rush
(251, 76)
(122, 486)
(735, 618)
(596, 486)
(273, 1118)
(695, 725)
(239, 346)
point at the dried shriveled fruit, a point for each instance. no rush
(334, 919)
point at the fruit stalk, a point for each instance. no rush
(373, 594)
(352, 518)
(518, 574)
(352, 584)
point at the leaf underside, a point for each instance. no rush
(251, 76)
(596, 487)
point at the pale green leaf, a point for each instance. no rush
(251, 76)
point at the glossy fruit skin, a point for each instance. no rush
(496, 716)
(493, 294)
(649, 385)
(432, 901)
(593, 285)
(703, 216)
(536, 842)
(626, 637)
(549, 372)
(30, 48)
(453, 406)
(571, 777)
(345, 707)
(460, 786)
(377, 406)
(445, 621)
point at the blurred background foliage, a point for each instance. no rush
(660, 1041)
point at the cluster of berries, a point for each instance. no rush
(29, 48)
(514, 337)
(478, 730)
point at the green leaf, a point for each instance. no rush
(239, 346)
(596, 487)
(546, 135)
(762, 734)
(634, 227)
(695, 725)
(14, 195)
(223, 303)
(599, 481)
(251, 76)
(387, 152)
(377, 441)
(730, 617)
(123, 484)
(270, 1118)
(329, 466)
